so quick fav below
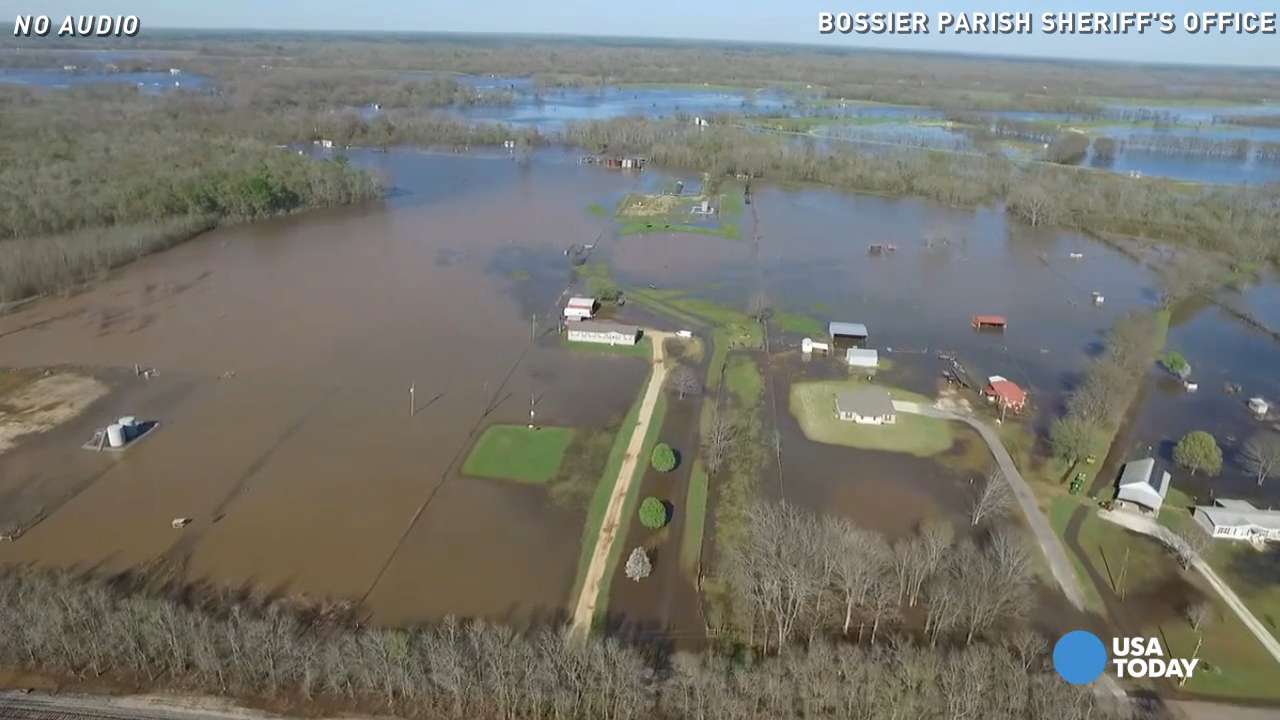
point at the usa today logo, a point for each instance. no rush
(1080, 658)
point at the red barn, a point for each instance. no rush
(990, 321)
(1005, 393)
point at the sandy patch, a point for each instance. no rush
(44, 404)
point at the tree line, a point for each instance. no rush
(313, 656)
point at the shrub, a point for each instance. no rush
(653, 513)
(663, 458)
(1174, 362)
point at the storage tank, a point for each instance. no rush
(115, 435)
(127, 420)
(129, 427)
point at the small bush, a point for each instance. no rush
(663, 458)
(653, 513)
(1174, 362)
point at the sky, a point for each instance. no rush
(791, 21)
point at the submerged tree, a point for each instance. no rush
(1261, 455)
(993, 500)
(1197, 451)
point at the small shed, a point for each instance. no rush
(809, 345)
(1005, 393)
(1259, 407)
(847, 331)
(862, 358)
(1141, 487)
(580, 308)
(990, 322)
(867, 405)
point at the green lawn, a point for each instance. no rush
(695, 519)
(514, 452)
(813, 405)
(742, 378)
(798, 324)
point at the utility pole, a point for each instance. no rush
(1124, 571)
(533, 328)
(412, 405)
(530, 409)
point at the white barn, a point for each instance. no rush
(1238, 520)
(866, 405)
(580, 308)
(1140, 487)
(604, 333)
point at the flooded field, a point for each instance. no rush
(284, 351)
(148, 82)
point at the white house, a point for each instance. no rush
(862, 358)
(1238, 520)
(580, 308)
(1140, 487)
(867, 405)
(604, 333)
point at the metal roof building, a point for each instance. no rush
(867, 405)
(1140, 485)
(859, 357)
(846, 329)
(603, 332)
(1238, 520)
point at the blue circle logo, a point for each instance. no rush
(1080, 657)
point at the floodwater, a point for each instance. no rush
(148, 82)
(285, 350)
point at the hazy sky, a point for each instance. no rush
(747, 20)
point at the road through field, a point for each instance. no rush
(585, 607)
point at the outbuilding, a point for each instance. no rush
(990, 322)
(862, 358)
(605, 333)
(866, 405)
(1005, 393)
(580, 308)
(1140, 487)
(847, 331)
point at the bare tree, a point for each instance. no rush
(684, 381)
(1028, 646)
(638, 565)
(861, 558)
(760, 306)
(1198, 613)
(1261, 455)
(993, 499)
(1187, 544)
(717, 442)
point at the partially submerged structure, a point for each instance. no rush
(809, 345)
(1259, 407)
(604, 333)
(990, 322)
(847, 331)
(866, 405)
(862, 358)
(580, 308)
(1238, 520)
(121, 434)
(1005, 393)
(1140, 488)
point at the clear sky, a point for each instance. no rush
(745, 20)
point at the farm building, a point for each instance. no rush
(847, 331)
(604, 333)
(808, 345)
(860, 358)
(1259, 407)
(990, 322)
(1005, 393)
(1140, 487)
(866, 405)
(1238, 520)
(580, 308)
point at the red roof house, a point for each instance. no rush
(1005, 393)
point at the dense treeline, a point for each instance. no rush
(311, 657)
(946, 80)
(1241, 221)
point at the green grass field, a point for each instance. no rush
(695, 509)
(798, 324)
(813, 404)
(514, 452)
(742, 378)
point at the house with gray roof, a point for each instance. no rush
(847, 331)
(606, 333)
(866, 405)
(1140, 487)
(1238, 520)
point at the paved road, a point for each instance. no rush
(41, 706)
(585, 608)
(1151, 528)
(1049, 542)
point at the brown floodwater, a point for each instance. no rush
(285, 350)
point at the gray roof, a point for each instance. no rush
(597, 326)
(845, 328)
(867, 401)
(1238, 513)
(853, 354)
(1140, 484)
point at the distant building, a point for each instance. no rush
(866, 405)
(1238, 520)
(1005, 393)
(1141, 487)
(1259, 407)
(604, 333)
(847, 331)
(861, 358)
(996, 322)
(175, 71)
(580, 308)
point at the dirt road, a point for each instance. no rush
(585, 607)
